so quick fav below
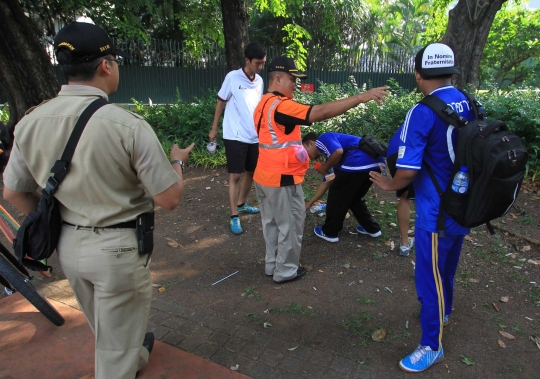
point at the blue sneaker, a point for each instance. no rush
(319, 233)
(421, 359)
(446, 320)
(236, 227)
(360, 229)
(246, 208)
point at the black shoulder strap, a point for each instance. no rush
(444, 111)
(61, 166)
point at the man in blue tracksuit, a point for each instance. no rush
(426, 139)
(351, 167)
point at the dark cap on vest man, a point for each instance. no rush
(285, 64)
(85, 42)
(435, 59)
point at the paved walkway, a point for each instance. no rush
(257, 354)
(32, 347)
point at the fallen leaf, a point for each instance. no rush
(235, 367)
(378, 212)
(387, 243)
(161, 289)
(513, 215)
(346, 265)
(392, 246)
(536, 340)
(505, 299)
(374, 195)
(371, 243)
(495, 306)
(506, 335)
(378, 335)
(293, 348)
(534, 261)
(381, 202)
(310, 307)
(525, 248)
(468, 238)
(347, 215)
(410, 231)
(267, 325)
(321, 271)
(501, 344)
(472, 280)
(392, 224)
(172, 243)
(308, 267)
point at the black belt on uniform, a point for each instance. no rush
(123, 225)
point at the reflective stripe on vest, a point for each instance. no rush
(275, 144)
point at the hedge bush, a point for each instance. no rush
(183, 122)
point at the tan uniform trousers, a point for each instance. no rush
(283, 212)
(114, 290)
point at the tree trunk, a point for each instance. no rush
(235, 30)
(26, 73)
(467, 32)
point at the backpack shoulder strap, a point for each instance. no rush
(444, 111)
(61, 166)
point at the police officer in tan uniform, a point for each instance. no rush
(118, 172)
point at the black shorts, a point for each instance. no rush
(391, 161)
(241, 156)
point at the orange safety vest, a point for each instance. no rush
(280, 154)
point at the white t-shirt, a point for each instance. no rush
(242, 96)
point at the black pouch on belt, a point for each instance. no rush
(145, 233)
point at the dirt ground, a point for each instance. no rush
(359, 285)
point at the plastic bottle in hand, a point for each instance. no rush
(317, 208)
(460, 184)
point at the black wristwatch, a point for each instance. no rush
(179, 162)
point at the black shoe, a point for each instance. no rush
(148, 341)
(300, 273)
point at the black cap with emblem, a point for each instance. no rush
(285, 64)
(85, 43)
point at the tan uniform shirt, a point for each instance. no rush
(117, 167)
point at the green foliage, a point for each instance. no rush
(183, 123)
(520, 110)
(4, 114)
(512, 51)
(380, 120)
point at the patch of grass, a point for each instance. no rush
(294, 308)
(517, 328)
(366, 300)
(252, 293)
(534, 296)
(467, 361)
(403, 333)
(341, 275)
(255, 318)
(464, 278)
(355, 324)
(498, 319)
(519, 277)
(515, 367)
(527, 220)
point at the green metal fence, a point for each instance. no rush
(161, 70)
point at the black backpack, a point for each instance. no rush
(369, 145)
(495, 158)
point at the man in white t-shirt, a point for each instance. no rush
(241, 91)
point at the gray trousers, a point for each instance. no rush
(114, 291)
(283, 212)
